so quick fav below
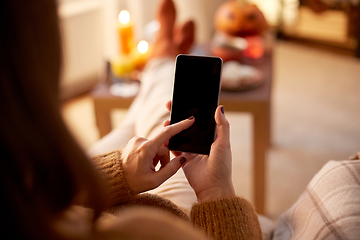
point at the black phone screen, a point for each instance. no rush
(195, 93)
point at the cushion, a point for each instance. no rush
(329, 208)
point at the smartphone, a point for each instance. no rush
(195, 93)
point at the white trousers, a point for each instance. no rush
(144, 119)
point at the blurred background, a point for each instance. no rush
(90, 36)
(315, 94)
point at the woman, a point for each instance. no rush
(44, 174)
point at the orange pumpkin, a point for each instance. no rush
(235, 19)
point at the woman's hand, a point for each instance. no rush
(210, 176)
(140, 156)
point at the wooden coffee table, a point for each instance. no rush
(255, 101)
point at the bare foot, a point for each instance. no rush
(166, 16)
(184, 36)
(163, 45)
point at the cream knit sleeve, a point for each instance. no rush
(110, 168)
(228, 218)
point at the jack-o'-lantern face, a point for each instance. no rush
(228, 17)
(235, 19)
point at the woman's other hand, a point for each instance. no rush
(140, 156)
(210, 175)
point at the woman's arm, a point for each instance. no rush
(228, 218)
(111, 170)
(219, 213)
(232, 218)
(132, 170)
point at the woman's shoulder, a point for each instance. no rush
(141, 222)
(144, 215)
(152, 201)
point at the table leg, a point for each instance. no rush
(268, 127)
(103, 119)
(260, 145)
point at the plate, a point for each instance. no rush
(240, 77)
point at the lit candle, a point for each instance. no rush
(125, 32)
(122, 66)
(141, 54)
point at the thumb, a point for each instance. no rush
(223, 126)
(170, 169)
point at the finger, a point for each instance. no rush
(168, 105)
(170, 131)
(164, 156)
(137, 141)
(166, 123)
(189, 156)
(223, 126)
(155, 162)
(176, 153)
(170, 169)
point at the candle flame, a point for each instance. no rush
(124, 17)
(143, 46)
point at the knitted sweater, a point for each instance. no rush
(146, 216)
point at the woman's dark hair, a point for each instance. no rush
(42, 169)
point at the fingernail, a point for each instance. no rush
(191, 118)
(182, 160)
(222, 110)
